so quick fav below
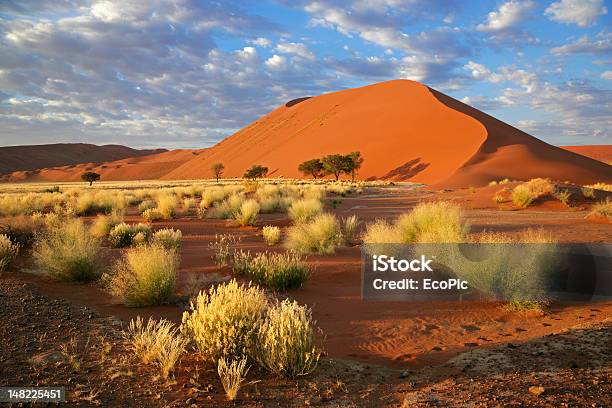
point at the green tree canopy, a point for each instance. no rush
(90, 177)
(313, 167)
(217, 169)
(256, 171)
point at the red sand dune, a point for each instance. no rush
(405, 131)
(18, 158)
(134, 168)
(602, 153)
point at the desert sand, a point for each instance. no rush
(598, 152)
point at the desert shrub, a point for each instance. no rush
(271, 234)
(232, 375)
(188, 204)
(273, 270)
(221, 247)
(525, 305)
(247, 215)
(122, 235)
(166, 205)
(8, 251)
(152, 215)
(22, 229)
(168, 238)
(498, 198)
(320, 235)
(601, 186)
(98, 202)
(146, 205)
(211, 196)
(313, 193)
(563, 196)
(432, 222)
(588, 192)
(522, 196)
(157, 342)
(381, 232)
(305, 210)
(285, 340)
(349, 228)
(504, 181)
(223, 321)
(602, 208)
(68, 252)
(145, 276)
(103, 224)
(227, 208)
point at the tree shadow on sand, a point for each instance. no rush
(407, 170)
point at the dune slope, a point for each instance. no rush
(17, 158)
(602, 153)
(404, 130)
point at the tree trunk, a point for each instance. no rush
(90, 183)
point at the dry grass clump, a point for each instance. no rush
(285, 340)
(526, 236)
(232, 375)
(248, 213)
(125, 235)
(152, 215)
(98, 202)
(22, 228)
(221, 247)
(8, 251)
(602, 209)
(222, 323)
(145, 276)
(273, 270)
(563, 196)
(304, 210)
(158, 342)
(168, 238)
(227, 208)
(166, 205)
(439, 222)
(526, 193)
(318, 236)
(601, 186)
(588, 192)
(146, 205)
(68, 252)
(188, 205)
(271, 234)
(103, 224)
(212, 195)
(27, 204)
(349, 228)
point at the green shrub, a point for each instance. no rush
(285, 340)
(320, 236)
(271, 234)
(223, 322)
(8, 251)
(145, 276)
(247, 215)
(304, 210)
(122, 235)
(168, 238)
(273, 270)
(68, 252)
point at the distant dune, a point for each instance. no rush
(598, 152)
(403, 129)
(32, 157)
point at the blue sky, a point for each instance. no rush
(185, 73)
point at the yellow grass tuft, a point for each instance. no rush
(318, 236)
(232, 375)
(271, 234)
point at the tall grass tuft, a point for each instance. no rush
(247, 215)
(145, 276)
(222, 322)
(525, 194)
(157, 342)
(166, 205)
(304, 210)
(318, 236)
(273, 270)
(232, 375)
(103, 224)
(349, 228)
(68, 252)
(432, 222)
(168, 238)
(8, 251)
(271, 235)
(602, 209)
(125, 235)
(22, 229)
(285, 340)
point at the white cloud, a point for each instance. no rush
(607, 75)
(581, 12)
(508, 15)
(481, 72)
(601, 44)
(261, 41)
(276, 62)
(298, 49)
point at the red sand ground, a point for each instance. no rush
(404, 130)
(32, 157)
(598, 152)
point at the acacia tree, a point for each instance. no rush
(90, 177)
(355, 163)
(256, 171)
(336, 164)
(217, 169)
(313, 167)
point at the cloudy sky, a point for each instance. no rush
(186, 73)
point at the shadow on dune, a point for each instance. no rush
(296, 101)
(407, 170)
